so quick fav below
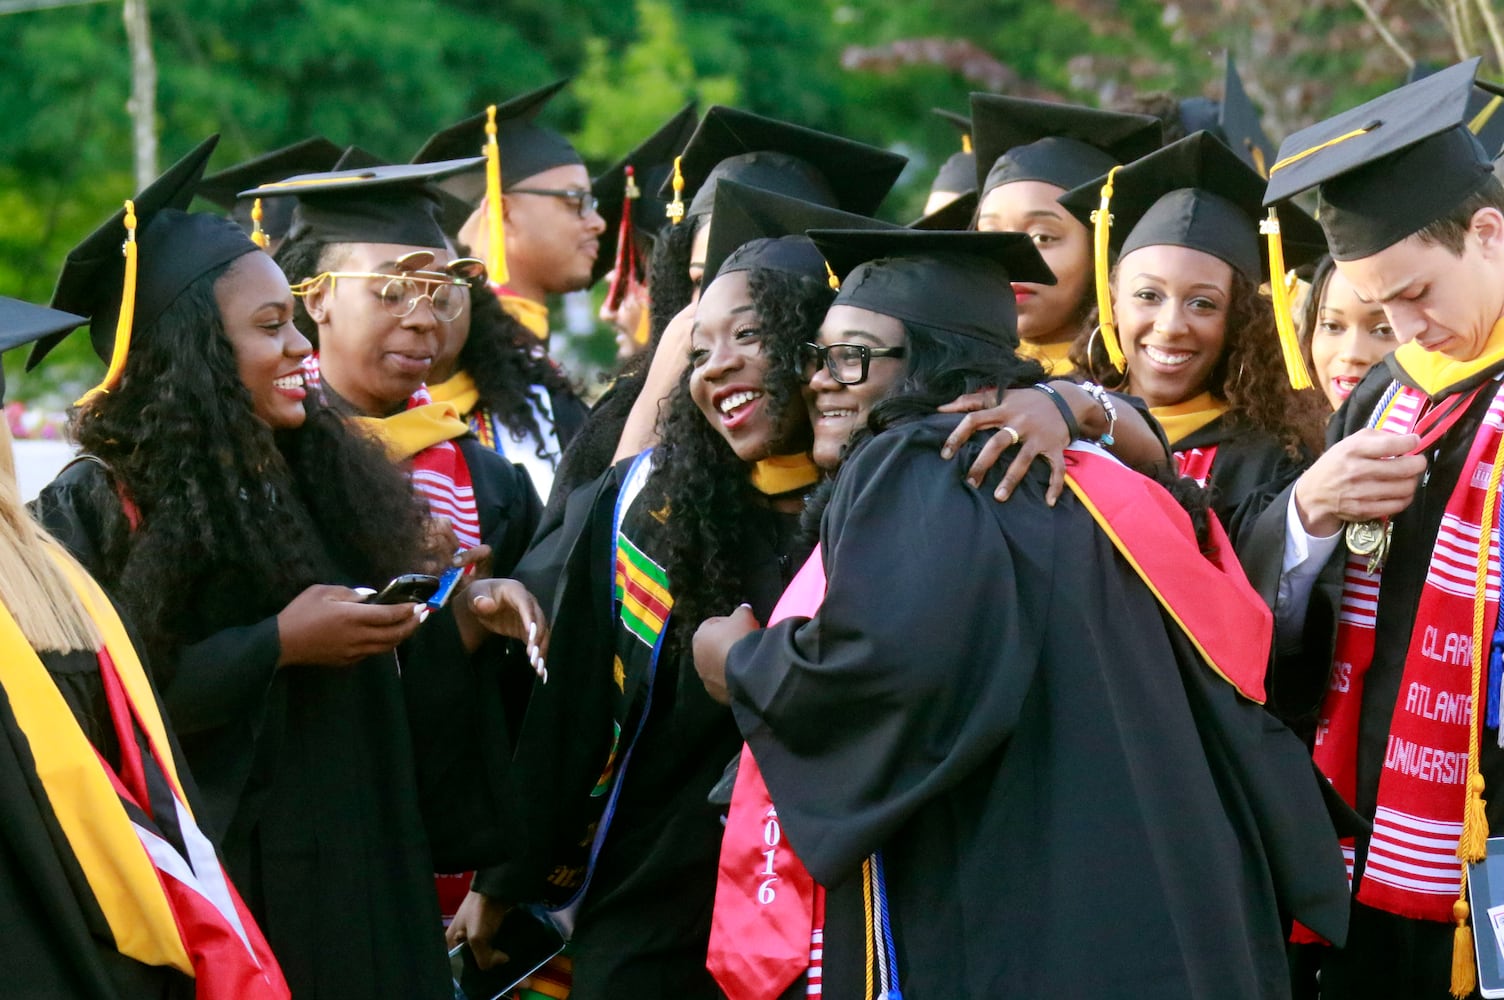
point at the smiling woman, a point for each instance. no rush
(1198, 337)
(232, 515)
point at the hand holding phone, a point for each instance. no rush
(409, 588)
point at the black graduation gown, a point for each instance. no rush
(54, 940)
(1385, 955)
(335, 794)
(1250, 468)
(644, 924)
(570, 413)
(1067, 801)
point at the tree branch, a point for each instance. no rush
(1384, 32)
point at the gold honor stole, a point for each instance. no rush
(533, 315)
(167, 905)
(1184, 419)
(1207, 595)
(1056, 357)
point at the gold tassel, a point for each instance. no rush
(676, 207)
(965, 142)
(497, 265)
(1102, 220)
(831, 279)
(127, 312)
(1473, 845)
(258, 235)
(1284, 314)
(1464, 969)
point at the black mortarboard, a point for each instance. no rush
(1388, 168)
(306, 157)
(958, 174)
(173, 249)
(958, 282)
(953, 215)
(372, 204)
(652, 162)
(22, 323)
(1485, 108)
(1238, 123)
(1017, 139)
(745, 216)
(452, 211)
(1196, 193)
(527, 149)
(789, 159)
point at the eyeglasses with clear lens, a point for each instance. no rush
(848, 364)
(399, 294)
(583, 202)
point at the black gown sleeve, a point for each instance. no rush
(881, 703)
(506, 501)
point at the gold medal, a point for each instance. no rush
(1371, 539)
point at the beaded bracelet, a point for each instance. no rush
(1072, 428)
(1104, 399)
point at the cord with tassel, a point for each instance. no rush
(497, 265)
(1102, 221)
(126, 319)
(1284, 313)
(258, 235)
(1472, 846)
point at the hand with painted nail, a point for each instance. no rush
(506, 607)
(328, 626)
(1028, 420)
(712, 644)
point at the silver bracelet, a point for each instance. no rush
(1104, 399)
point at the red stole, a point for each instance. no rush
(769, 914)
(1412, 868)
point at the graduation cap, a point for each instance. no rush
(371, 203)
(958, 173)
(777, 156)
(1018, 139)
(1388, 168)
(1238, 123)
(125, 274)
(526, 148)
(958, 282)
(222, 188)
(1485, 108)
(1197, 193)
(22, 323)
(762, 229)
(631, 205)
(955, 214)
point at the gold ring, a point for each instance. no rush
(1016, 436)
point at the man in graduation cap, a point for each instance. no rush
(1372, 558)
(538, 231)
(1053, 781)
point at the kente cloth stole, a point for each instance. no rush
(641, 602)
(156, 878)
(1412, 867)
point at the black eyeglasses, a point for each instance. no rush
(584, 202)
(846, 363)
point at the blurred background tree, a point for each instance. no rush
(265, 73)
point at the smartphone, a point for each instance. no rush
(409, 588)
(529, 942)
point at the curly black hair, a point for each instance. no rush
(1249, 376)
(508, 364)
(668, 275)
(715, 511)
(232, 514)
